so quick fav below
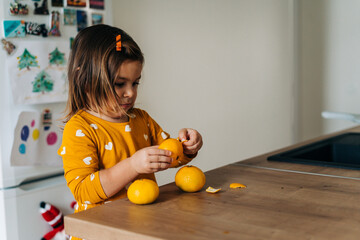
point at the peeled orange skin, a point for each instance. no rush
(143, 191)
(237, 185)
(176, 149)
(190, 179)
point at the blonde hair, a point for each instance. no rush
(93, 67)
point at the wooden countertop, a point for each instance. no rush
(281, 201)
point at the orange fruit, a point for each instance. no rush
(190, 179)
(143, 191)
(176, 149)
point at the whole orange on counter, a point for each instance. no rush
(176, 149)
(190, 179)
(143, 191)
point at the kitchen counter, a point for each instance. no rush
(281, 201)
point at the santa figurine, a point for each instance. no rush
(55, 218)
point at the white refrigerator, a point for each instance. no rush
(22, 188)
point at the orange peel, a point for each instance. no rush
(181, 140)
(212, 190)
(237, 185)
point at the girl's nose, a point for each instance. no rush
(129, 92)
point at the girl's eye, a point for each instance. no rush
(119, 84)
(136, 83)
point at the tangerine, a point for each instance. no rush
(143, 191)
(175, 147)
(190, 179)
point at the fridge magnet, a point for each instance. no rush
(18, 9)
(8, 46)
(57, 3)
(36, 29)
(47, 119)
(96, 18)
(41, 9)
(71, 42)
(69, 16)
(55, 24)
(27, 60)
(76, 3)
(97, 4)
(14, 28)
(32, 144)
(39, 75)
(81, 19)
(56, 58)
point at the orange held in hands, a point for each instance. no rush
(190, 179)
(176, 149)
(143, 191)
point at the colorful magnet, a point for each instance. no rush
(57, 3)
(42, 9)
(96, 18)
(46, 117)
(69, 16)
(55, 24)
(8, 46)
(71, 42)
(18, 9)
(76, 3)
(36, 29)
(81, 19)
(14, 28)
(98, 4)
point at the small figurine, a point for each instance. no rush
(18, 9)
(8, 46)
(55, 24)
(43, 9)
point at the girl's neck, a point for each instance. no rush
(117, 119)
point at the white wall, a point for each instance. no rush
(329, 72)
(222, 67)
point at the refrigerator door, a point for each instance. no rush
(11, 176)
(20, 217)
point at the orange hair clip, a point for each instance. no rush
(118, 42)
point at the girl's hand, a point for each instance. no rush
(194, 141)
(150, 159)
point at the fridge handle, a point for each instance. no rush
(31, 185)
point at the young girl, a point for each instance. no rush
(107, 143)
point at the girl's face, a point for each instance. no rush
(126, 83)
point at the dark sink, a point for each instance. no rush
(339, 151)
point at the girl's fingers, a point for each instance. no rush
(158, 152)
(160, 159)
(159, 166)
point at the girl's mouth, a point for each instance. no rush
(128, 105)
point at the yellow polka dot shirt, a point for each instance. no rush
(90, 144)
